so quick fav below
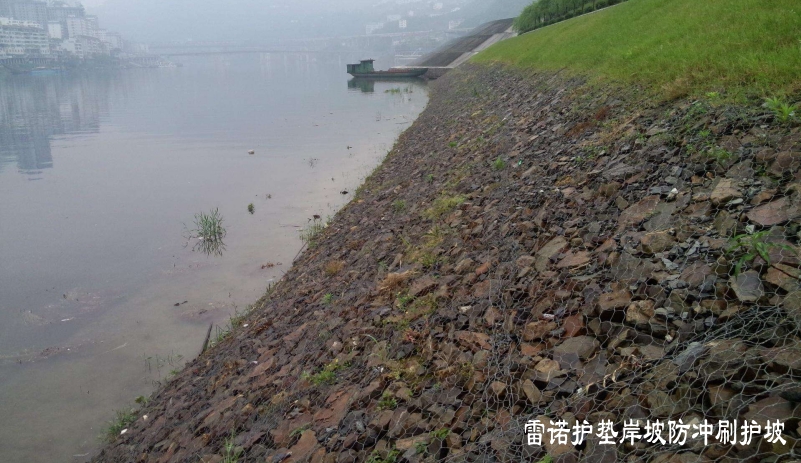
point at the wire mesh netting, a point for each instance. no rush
(535, 259)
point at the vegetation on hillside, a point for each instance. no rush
(544, 12)
(678, 47)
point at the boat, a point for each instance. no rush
(365, 69)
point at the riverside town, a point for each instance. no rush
(400, 231)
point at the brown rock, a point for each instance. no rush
(609, 189)
(423, 286)
(640, 312)
(577, 259)
(616, 300)
(335, 411)
(636, 213)
(696, 274)
(573, 325)
(659, 241)
(554, 449)
(550, 249)
(483, 268)
(773, 409)
(773, 213)
(498, 388)
(531, 392)
(411, 442)
(785, 277)
(305, 446)
(473, 340)
(786, 163)
(529, 350)
(538, 330)
(464, 266)
(724, 192)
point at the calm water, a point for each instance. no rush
(100, 176)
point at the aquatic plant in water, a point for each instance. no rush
(209, 232)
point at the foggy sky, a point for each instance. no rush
(264, 20)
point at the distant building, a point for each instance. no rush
(60, 11)
(23, 38)
(438, 6)
(402, 24)
(370, 28)
(393, 17)
(55, 30)
(5, 8)
(455, 23)
(112, 40)
(30, 11)
(80, 26)
(83, 46)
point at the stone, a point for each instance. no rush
(696, 274)
(636, 213)
(640, 312)
(473, 340)
(531, 392)
(576, 259)
(305, 446)
(464, 266)
(748, 286)
(335, 411)
(617, 300)
(538, 330)
(786, 163)
(423, 286)
(609, 189)
(773, 213)
(554, 449)
(550, 249)
(658, 241)
(583, 346)
(498, 388)
(785, 277)
(773, 409)
(530, 350)
(724, 192)
(573, 325)
(411, 442)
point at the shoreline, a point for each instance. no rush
(532, 247)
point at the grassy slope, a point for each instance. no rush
(673, 46)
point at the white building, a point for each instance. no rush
(402, 24)
(23, 38)
(80, 27)
(84, 46)
(55, 30)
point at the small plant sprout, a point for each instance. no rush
(120, 424)
(326, 300)
(251, 208)
(749, 246)
(387, 402)
(784, 111)
(399, 205)
(499, 164)
(231, 452)
(440, 434)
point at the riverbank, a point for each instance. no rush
(533, 246)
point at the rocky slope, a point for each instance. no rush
(531, 247)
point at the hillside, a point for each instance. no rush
(552, 239)
(676, 47)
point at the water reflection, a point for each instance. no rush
(365, 85)
(32, 111)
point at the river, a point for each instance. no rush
(102, 293)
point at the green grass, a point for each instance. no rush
(210, 232)
(123, 419)
(443, 205)
(673, 47)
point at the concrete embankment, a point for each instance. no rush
(532, 247)
(459, 51)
